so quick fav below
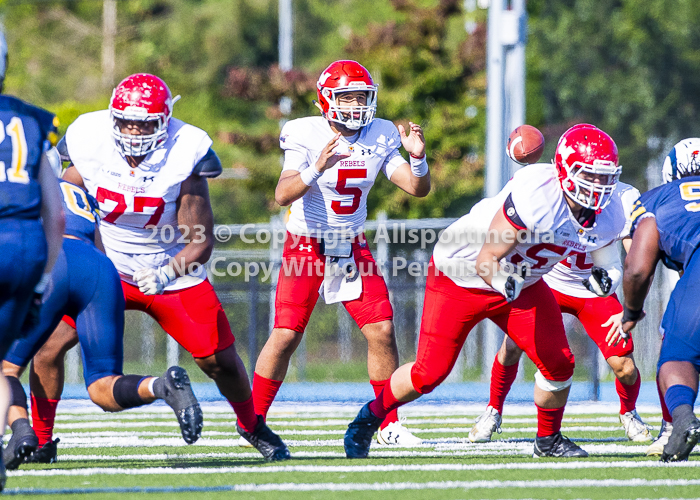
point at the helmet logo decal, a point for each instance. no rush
(565, 150)
(322, 79)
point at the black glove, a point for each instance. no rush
(599, 283)
(31, 320)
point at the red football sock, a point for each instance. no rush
(385, 403)
(664, 409)
(628, 394)
(246, 414)
(264, 392)
(549, 420)
(502, 378)
(393, 415)
(43, 416)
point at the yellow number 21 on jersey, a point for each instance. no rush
(17, 171)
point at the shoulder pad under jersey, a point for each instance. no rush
(63, 149)
(209, 165)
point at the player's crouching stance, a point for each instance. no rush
(666, 227)
(149, 172)
(539, 218)
(599, 313)
(331, 162)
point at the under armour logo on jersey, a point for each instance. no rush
(148, 179)
(308, 248)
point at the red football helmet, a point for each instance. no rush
(587, 162)
(141, 97)
(347, 76)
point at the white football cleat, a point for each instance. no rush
(657, 447)
(635, 429)
(486, 424)
(243, 443)
(396, 433)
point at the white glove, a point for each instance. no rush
(153, 281)
(509, 285)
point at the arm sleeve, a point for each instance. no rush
(393, 161)
(62, 148)
(608, 258)
(639, 213)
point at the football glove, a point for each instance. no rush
(599, 282)
(509, 285)
(31, 320)
(153, 281)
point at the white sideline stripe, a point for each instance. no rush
(359, 468)
(151, 420)
(319, 423)
(321, 432)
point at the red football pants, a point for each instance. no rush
(301, 275)
(450, 312)
(192, 316)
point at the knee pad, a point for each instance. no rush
(17, 395)
(425, 383)
(126, 391)
(551, 385)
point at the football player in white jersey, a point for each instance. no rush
(601, 318)
(330, 164)
(488, 264)
(148, 171)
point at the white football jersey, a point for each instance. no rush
(139, 226)
(533, 200)
(568, 275)
(338, 200)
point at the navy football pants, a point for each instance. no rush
(86, 286)
(23, 252)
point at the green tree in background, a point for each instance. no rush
(628, 66)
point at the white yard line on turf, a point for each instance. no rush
(91, 471)
(320, 432)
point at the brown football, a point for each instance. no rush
(525, 145)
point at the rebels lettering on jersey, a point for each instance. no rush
(338, 200)
(139, 226)
(26, 132)
(676, 208)
(81, 211)
(534, 201)
(568, 275)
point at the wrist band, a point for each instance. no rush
(419, 166)
(310, 175)
(631, 315)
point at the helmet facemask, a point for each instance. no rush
(591, 186)
(352, 117)
(139, 145)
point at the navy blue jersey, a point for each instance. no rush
(676, 207)
(25, 133)
(81, 212)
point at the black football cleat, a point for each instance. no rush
(269, 444)
(22, 444)
(175, 389)
(358, 437)
(3, 474)
(682, 441)
(47, 454)
(557, 446)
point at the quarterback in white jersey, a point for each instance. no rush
(599, 315)
(148, 172)
(488, 264)
(330, 164)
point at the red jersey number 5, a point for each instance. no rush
(341, 188)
